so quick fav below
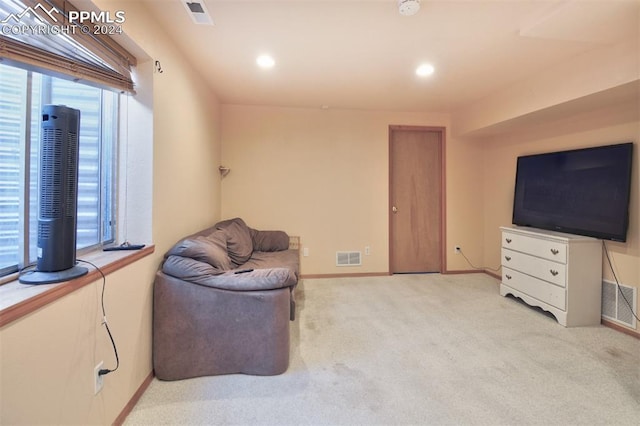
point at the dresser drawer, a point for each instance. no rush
(546, 249)
(539, 268)
(551, 294)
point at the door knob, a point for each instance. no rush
(394, 209)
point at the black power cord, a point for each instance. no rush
(606, 252)
(476, 267)
(105, 371)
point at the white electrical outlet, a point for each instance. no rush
(367, 250)
(98, 380)
(457, 250)
(305, 251)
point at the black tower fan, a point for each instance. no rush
(58, 197)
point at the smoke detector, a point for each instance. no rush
(408, 7)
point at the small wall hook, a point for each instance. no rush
(224, 170)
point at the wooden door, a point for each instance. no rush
(416, 166)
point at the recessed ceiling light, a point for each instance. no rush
(425, 70)
(265, 61)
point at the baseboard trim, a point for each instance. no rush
(494, 275)
(620, 328)
(134, 400)
(462, 271)
(387, 274)
(353, 275)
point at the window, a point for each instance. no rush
(22, 95)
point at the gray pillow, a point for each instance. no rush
(210, 249)
(238, 237)
(189, 269)
(269, 240)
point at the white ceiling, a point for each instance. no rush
(363, 54)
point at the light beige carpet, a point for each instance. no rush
(419, 349)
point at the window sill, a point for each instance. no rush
(18, 300)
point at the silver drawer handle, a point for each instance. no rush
(508, 240)
(553, 272)
(555, 251)
(508, 258)
(508, 277)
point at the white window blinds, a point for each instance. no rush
(56, 37)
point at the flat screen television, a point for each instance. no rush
(583, 191)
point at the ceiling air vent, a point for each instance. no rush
(348, 258)
(198, 12)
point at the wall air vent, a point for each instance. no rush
(348, 258)
(614, 306)
(198, 11)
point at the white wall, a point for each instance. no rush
(324, 175)
(47, 357)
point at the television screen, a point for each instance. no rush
(583, 191)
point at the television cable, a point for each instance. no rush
(480, 268)
(615, 277)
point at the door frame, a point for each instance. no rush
(443, 194)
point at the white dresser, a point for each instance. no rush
(560, 273)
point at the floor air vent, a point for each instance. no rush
(614, 306)
(348, 258)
